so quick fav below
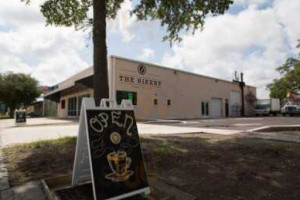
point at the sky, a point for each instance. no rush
(253, 37)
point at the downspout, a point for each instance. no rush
(43, 111)
(242, 85)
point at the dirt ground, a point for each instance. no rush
(220, 167)
(205, 165)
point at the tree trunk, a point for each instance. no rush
(101, 89)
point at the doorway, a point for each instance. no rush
(216, 108)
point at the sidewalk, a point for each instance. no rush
(28, 191)
(4, 185)
(43, 121)
(24, 134)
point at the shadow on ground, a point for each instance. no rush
(39, 160)
(205, 165)
(226, 167)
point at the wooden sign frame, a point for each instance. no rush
(83, 168)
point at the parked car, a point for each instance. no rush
(267, 107)
(290, 109)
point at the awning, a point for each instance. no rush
(55, 95)
(87, 81)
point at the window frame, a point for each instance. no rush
(205, 108)
(169, 102)
(72, 106)
(135, 98)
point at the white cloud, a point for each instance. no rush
(250, 1)
(123, 22)
(11, 63)
(17, 13)
(254, 41)
(50, 54)
(63, 65)
(146, 54)
(132, 29)
(287, 12)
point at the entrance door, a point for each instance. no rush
(216, 108)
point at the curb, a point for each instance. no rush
(274, 128)
(279, 138)
(38, 125)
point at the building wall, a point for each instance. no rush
(186, 91)
(35, 109)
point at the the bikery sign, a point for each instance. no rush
(140, 80)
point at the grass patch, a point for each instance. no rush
(4, 117)
(163, 149)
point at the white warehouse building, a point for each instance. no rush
(158, 92)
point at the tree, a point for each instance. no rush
(17, 89)
(289, 81)
(176, 15)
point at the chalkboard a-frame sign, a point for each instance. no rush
(20, 116)
(108, 151)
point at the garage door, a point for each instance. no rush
(216, 108)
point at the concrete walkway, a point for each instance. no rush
(165, 129)
(52, 129)
(28, 134)
(37, 122)
(28, 191)
(46, 128)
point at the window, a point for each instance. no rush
(126, 95)
(205, 109)
(63, 104)
(155, 102)
(72, 106)
(169, 102)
